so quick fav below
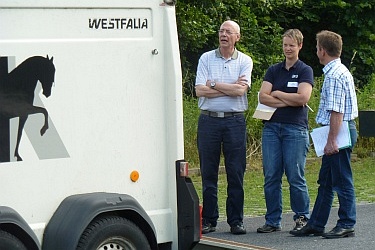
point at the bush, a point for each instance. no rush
(365, 146)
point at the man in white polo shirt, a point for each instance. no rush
(223, 79)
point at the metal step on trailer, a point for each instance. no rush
(209, 243)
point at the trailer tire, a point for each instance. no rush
(9, 241)
(113, 232)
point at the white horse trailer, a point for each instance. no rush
(91, 127)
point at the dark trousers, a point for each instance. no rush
(336, 176)
(227, 135)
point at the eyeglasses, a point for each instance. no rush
(228, 32)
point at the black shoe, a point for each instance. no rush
(339, 232)
(268, 229)
(307, 231)
(208, 228)
(238, 229)
(300, 223)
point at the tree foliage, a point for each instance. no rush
(353, 20)
(263, 22)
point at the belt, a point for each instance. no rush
(220, 114)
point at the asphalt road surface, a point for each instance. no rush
(364, 233)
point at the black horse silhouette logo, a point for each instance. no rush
(17, 93)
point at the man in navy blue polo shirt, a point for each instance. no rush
(223, 78)
(286, 86)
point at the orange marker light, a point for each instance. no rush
(134, 176)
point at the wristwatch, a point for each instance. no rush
(213, 84)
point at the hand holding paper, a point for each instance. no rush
(320, 136)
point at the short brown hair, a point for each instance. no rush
(330, 41)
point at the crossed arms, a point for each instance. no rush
(238, 88)
(279, 99)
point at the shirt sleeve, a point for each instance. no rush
(202, 70)
(335, 96)
(307, 75)
(247, 68)
(269, 76)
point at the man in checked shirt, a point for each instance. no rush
(338, 103)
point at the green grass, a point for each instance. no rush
(364, 181)
(364, 176)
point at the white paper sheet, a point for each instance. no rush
(319, 137)
(263, 112)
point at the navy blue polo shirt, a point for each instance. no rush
(288, 81)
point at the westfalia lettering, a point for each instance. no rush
(118, 23)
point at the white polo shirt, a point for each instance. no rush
(213, 66)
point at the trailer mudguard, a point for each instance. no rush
(13, 223)
(76, 212)
(188, 212)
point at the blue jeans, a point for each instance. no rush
(336, 176)
(284, 149)
(228, 135)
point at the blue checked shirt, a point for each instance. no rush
(337, 94)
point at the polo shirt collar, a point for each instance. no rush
(233, 57)
(294, 65)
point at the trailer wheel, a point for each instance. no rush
(9, 241)
(113, 233)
